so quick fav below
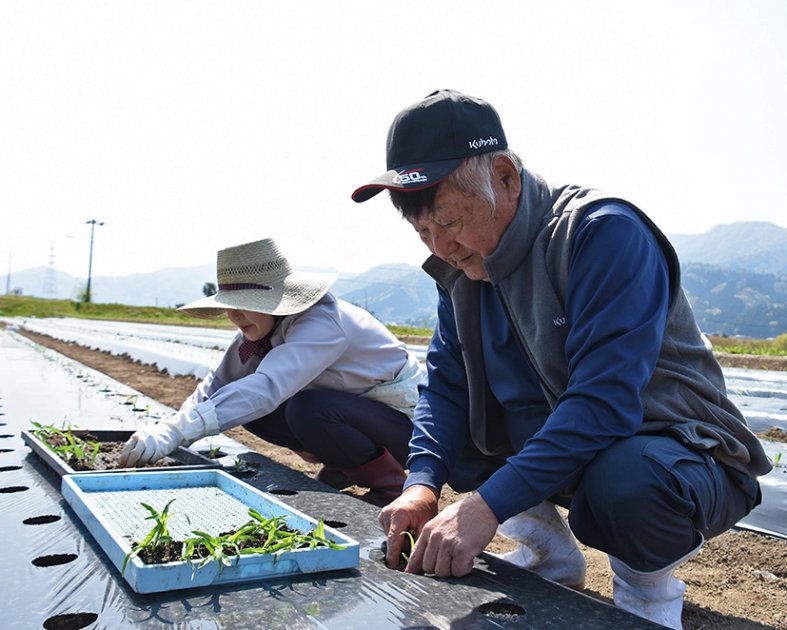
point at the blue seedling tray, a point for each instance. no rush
(215, 502)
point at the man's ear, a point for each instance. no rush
(507, 181)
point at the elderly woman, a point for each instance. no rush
(306, 371)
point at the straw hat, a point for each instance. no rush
(257, 277)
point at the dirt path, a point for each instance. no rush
(737, 582)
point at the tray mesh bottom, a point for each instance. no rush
(209, 509)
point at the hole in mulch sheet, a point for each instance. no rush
(10, 489)
(379, 555)
(42, 520)
(283, 492)
(212, 454)
(335, 524)
(6, 435)
(70, 621)
(54, 560)
(7, 468)
(242, 469)
(501, 611)
(6, 450)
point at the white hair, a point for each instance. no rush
(472, 178)
(474, 175)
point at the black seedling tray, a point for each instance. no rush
(180, 459)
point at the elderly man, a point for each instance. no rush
(566, 367)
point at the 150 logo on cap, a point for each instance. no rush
(410, 177)
(480, 143)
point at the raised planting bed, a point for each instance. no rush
(110, 444)
(199, 507)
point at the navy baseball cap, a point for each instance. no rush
(431, 138)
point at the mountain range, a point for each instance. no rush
(735, 276)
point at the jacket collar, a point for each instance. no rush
(533, 211)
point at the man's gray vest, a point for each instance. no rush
(686, 397)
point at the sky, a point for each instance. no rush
(189, 126)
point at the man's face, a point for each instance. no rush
(461, 230)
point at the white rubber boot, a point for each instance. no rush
(546, 545)
(654, 595)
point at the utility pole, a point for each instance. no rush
(49, 276)
(92, 223)
(8, 276)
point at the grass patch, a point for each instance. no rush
(771, 347)
(410, 331)
(24, 306)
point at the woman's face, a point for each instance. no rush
(254, 326)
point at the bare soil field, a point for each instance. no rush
(737, 582)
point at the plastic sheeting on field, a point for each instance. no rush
(54, 575)
(761, 395)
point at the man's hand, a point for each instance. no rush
(448, 543)
(411, 511)
(149, 444)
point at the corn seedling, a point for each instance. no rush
(259, 535)
(222, 549)
(158, 535)
(213, 451)
(77, 450)
(777, 460)
(411, 540)
(256, 536)
(45, 431)
(278, 537)
(73, 450)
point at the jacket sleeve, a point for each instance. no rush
(225, 369)
(312, 344)
(440, 427)
(617, 303)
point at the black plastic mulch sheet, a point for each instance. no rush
(53, 574)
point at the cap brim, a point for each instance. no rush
(300, 291)
(408, 178)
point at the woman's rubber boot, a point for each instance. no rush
(384, 476)
(653, 595)
(546, 545)
(334, 477)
